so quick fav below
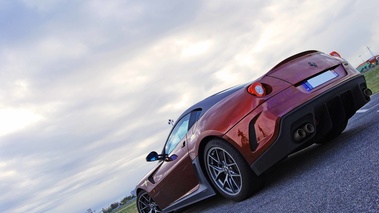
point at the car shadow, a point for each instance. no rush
(304, 160)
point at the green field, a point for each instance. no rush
(131, 208)
(372, 78)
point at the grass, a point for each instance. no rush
(131, 208)
(372, 78)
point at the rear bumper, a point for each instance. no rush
(325, 112)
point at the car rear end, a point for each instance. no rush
(306, 97)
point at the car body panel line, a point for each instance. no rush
(204, 191)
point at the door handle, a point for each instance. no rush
(184, 144)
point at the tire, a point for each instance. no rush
(146, 204)
(228, 171)
(334, 133)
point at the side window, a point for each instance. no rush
(194, 117)
(177, 134)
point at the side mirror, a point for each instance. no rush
(152, 156)
(171, 158)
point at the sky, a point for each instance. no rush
(87, 87)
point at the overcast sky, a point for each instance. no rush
(87, 87)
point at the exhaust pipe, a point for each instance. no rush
(303, 132)
(367, 92)
(309, 128)
(300, 134)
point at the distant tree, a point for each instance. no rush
(117, 204)
(114, 205)
(127, 199)
(107, 210)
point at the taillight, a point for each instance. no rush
(335, 54)
(257, 89)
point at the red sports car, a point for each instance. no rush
(227, 141)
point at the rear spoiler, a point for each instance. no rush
(294, 57)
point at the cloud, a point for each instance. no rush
(87, 87)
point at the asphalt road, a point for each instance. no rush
(341, 176)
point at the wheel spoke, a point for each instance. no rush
(225, 158)
(230, 184)
(216, 168)
(214, 159)
(216, 155)
(234, 185)
(232, 164)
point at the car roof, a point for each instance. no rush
(210, 101)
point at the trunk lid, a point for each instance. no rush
(303, 66)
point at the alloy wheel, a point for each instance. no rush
(146, 204)
(224, 171)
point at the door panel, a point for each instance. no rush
(175, 178)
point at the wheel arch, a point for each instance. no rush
(139, 190)
(201, 151)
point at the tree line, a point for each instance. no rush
(115, 205)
